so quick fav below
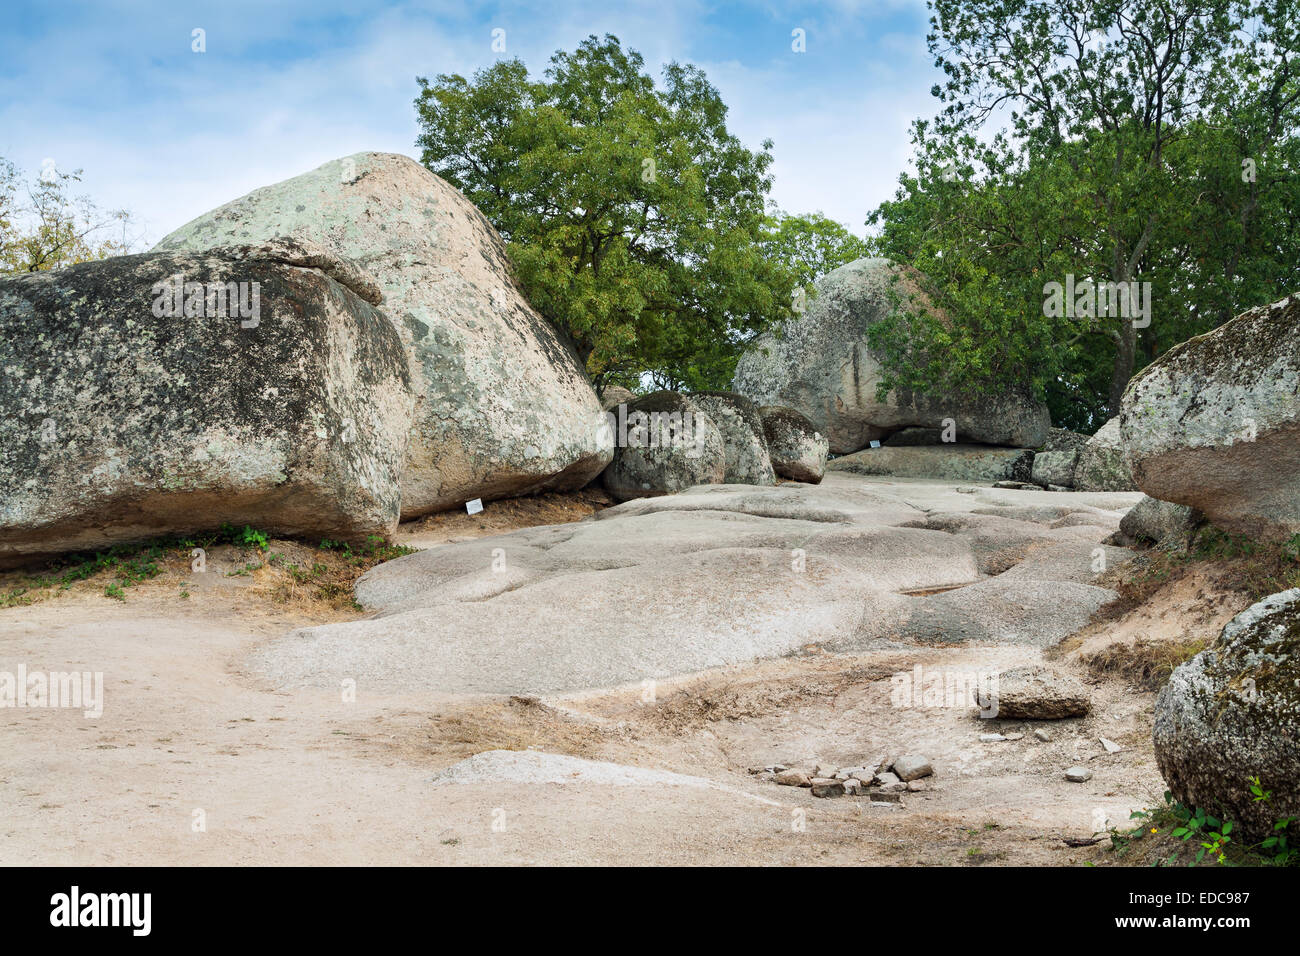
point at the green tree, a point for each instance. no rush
(635, 220)
(44, 226)
(1138, 142)
(811, 244)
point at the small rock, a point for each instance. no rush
(991, 738)
(865, 777)
(885, 779)
(916, 786)
(886, 796)
(793, 778)
(826, 787)
(912, 767)
(1013, 736)
(1110, 745)
(1078, 774)
(852, 786)
(1043, 735)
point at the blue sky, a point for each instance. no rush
(114, 88)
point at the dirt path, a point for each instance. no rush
(309, 778)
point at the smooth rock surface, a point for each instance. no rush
(715, 575)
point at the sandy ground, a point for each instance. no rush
(196, 761)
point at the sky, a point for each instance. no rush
(115, 88)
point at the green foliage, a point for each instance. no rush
(1211, 837)
(634, 218)
(1165, 155)
(44, 226)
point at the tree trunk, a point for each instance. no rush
(1125, 350)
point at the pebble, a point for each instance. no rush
(1110, 745)
(991, 738)
(1078, 774)
(1043, 735)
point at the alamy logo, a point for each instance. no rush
(75, 690)
(74, 908)
(1087, 299)
(175, 298)
(640, 429)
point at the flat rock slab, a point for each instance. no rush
(713, 576)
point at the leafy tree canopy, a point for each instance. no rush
(1120, 141)
(637, 222)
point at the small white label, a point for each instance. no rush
(475, 506)
(875, 444)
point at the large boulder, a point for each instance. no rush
(1214, 423)
(503, 406)
(143, 395)
(952, 462)
(664, 444)
(743, 440)
(1102, 465)
(796, 448)
(1232, 713)
(819, 364)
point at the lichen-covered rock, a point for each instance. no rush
(1054, 469)
(503, 407)
(1214, 423)
(1036, 692)
(663, 444)
(1062, 439)
(819, 364)
(796, 448)
(743, 439)
(1102, 465)
(1233, 712)
(145, 395)
(1160, 522)
(953, 462)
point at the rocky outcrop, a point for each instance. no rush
(170, 392)
(819, 364)
(1232, 713)
(952, 462)
(1160, 522)
(503, 406)
(1102, 465)
(743, 439)
(664, 444)
(796, 448)
(1214, 423)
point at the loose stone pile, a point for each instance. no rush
(883, 781)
